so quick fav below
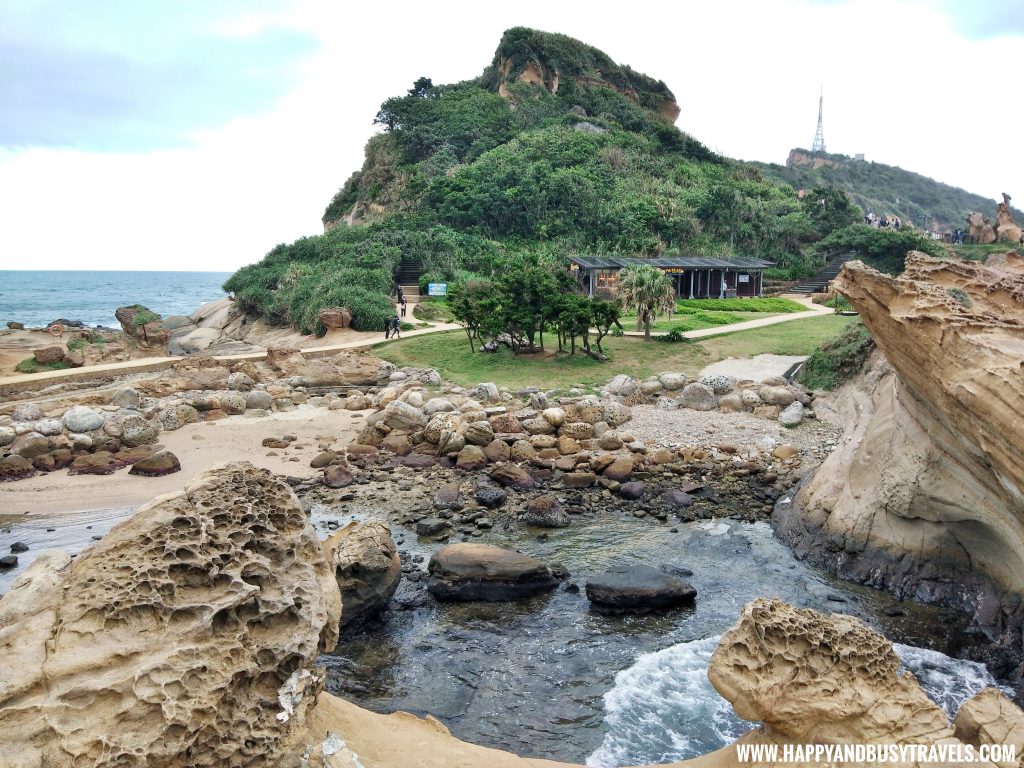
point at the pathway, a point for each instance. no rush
(20, 382)
(813, 310)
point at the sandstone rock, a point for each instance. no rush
(450, 422)
(513, 476)
(334, 317)
(399, 415)
(637, 588)
(784, 451)
(15, 468)
(731, 402)
(677, 499)
(989, 718)
(143, 325)
(7, 436)
(619, 470)
(554, 416)
(792, 414)
(98, 463)
(438, 405)
(240, 382)
(505, 423)
(26, 412)
(522, 450)
(497, 450)
(623, 385)
(82, 419)
(579, 479)
(578, 430)
(750, 398)
(233, 405)
(259, 398)
(482, 572)
(776, 395)
(323, 459)
(471, 458)
(538, 426)
(177, 416)
(48, 427)
(541, 442)
(649, 388)
(400, 445)
(485, 393)
(793, 663)
(720, 383)
(632, 491)
(431, 526)
(30, 445)
(616, 414)
(545, 512)
(366, 567)
(478, 433)
(449, 442)
(15, 326)
(448, 496)
(698, 397)
(135, 431)
(567, 446)
(360, 451)
(610, 441)
(673, 381)
(156, 465)
(589, 414)
(338, 476)
(49, 355)
(176, 666)
(980, 228)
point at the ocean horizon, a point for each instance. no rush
(38, 297)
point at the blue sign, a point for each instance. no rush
(437, 289)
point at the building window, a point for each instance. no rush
(607, 279)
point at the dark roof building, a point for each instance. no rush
(695, 277)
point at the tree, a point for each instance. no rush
(603, 315)
(830, 209)
(476, 305)
(648, 291)
(573, 320)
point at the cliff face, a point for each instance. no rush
(925, 496)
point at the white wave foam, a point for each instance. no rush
(663, 708)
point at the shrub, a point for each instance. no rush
(757, 304)
(838, 359)
(673, 336)
(30, 365)
(960, 296)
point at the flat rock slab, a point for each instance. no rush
(637, 589)
(469, 571)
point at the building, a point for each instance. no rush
(695, 277)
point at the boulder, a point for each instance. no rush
(498, 450)
(677, 499)
(448, 496)
(673, 381)
(30, 445)
(578, 430)
(240, 382)
(698, 397)
(82, 419)
(135, 431)
(431, 526)
(399, 415)
(616, 414)
(7, 436)
(15, 468)
(15, 326)
(438, 405)
(545, 512)
(637, 589)
(160, 662)
(156, 465)
(776, 395)
(731, 402)
(98, 463)
(177, 416)
(989, 718)
(233, 405)
(334, 317)
(619, 470)
(143, 325)
(632, 491)
(471, 458)
(490, 496)
(623, 385)
(442, 422)
(522, 450)
(366, 567)
(49, 427)
(49, 355)
(450, 442)
(400, 445)
(338, 476)
(126, 397)
(323, 459)
(26, 412)
(720, 383)
(579, 479)
(505, 423)
(538, 426)
(259, 398)
(792, 414)
(554, 416)
(471, 571)
(513, 476)
(478, 433)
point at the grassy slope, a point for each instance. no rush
(449, 354)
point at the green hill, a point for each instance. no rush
(883, 189)
(554, 149)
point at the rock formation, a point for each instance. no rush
(980, 229)
(925, 496)
(481, 572)
(187, 636)
(366, 566)
(144, 326)
(1006, 227)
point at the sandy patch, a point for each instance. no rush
(198, 447)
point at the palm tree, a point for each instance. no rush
(647, 290)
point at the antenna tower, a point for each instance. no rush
(819, 135)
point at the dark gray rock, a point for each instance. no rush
(490, 496)
(637, 589)
(470, 571)
(431, 526)
(633, 490)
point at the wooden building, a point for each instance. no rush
(694, 277)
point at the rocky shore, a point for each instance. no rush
(144, 652)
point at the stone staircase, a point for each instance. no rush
(826, 274)
(409, 278)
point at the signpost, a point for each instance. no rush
(437, 289)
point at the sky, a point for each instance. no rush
(185, 134)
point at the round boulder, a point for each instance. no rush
(82, 419)
(367, 568)
(698, 397)
(156, 465)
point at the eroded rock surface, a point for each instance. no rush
(366, 566)
(187, 636)
(925, 495)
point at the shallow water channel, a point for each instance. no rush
(547, 677)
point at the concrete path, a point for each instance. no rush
(756, 368)
(21, 382)
(813, 310)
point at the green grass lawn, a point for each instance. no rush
(693, 321)
(449, 353)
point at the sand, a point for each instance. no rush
(198, 447)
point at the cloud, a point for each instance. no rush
(982, 21)
(138, 76)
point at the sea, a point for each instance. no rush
(37, 297)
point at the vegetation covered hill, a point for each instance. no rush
(883, 189)
(554, 149)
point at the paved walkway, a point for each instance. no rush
(813, 310)
(11, 384)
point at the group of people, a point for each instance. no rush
(882, 221)
(392, 326)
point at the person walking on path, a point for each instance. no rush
(404, 304)
(387, 327)
(395, 329)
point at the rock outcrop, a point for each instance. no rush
(482, 572)
(144, 326)
(925, 495)
(1006, 228)
(187, 636)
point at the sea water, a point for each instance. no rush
(37, 297)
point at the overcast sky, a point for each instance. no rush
(184, 134)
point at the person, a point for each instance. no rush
(405, 304)
(395, 323)
(387, 327)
